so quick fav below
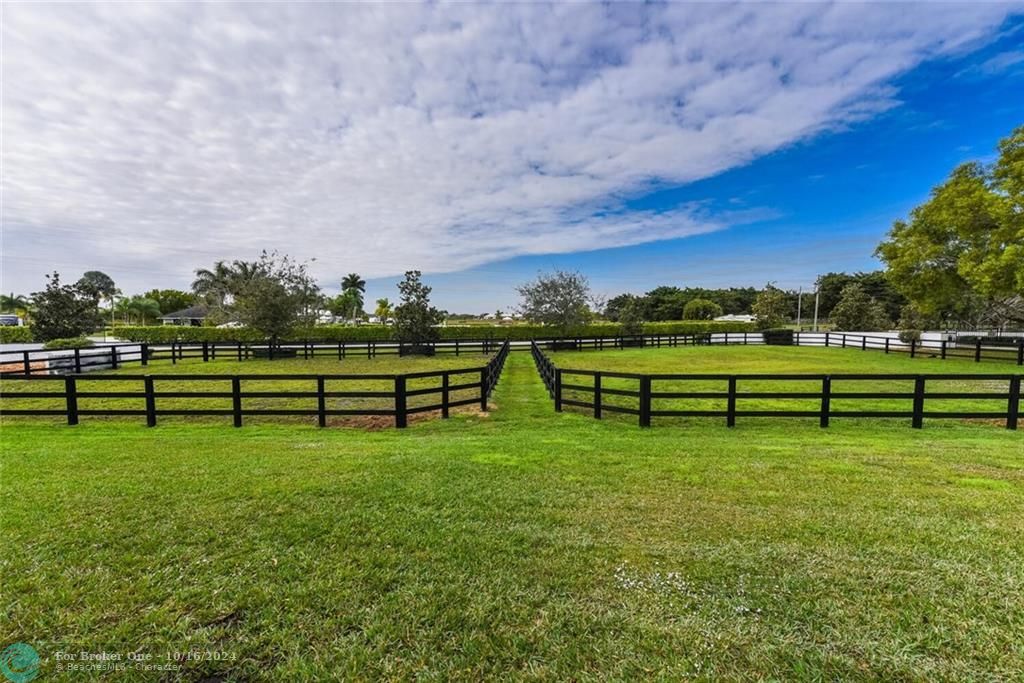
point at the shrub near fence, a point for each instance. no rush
(11, 334)
(452, 389)
(596, 396)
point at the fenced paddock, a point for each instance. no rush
(114, 356)
(823, 396)
(395, 396)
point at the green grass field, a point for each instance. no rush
(524, 544)
(784, 360)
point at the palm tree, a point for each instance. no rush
(214, 285)
(144, 308)
(383, 311)
(357, 286)
(13, 302)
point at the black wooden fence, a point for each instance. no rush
(645, 408)
(114, 356)
(395, 402)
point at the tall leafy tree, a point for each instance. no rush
(960, 255)
(63, 311)
(12, 303)
(560, 300)
(701, 309)
(415, 318)
(170, 300)
(278, 295)
(857, 310)
(770, 308)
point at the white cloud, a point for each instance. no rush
(149, 140)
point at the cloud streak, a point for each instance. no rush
(148, 140)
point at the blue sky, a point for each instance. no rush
(708, 145)
(835, 195)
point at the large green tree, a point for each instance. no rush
(960, 255)
(560, 300)
(276, 296)
(170, 300)
(63, 311)
(353, 287)
(415, 318)
(858, 310)
(770, 307)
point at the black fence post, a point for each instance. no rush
(27, 365)
(370, 349)
(239, 351)
(730, 410)
(558, 390)
(863, 343)
(71, 394)
(206, 351)
(826, 400)
(174, 360)
(977, 350)
(913, 347)
(113, 358)
(844, 341)
(826, 340)
(401, 419)
(597, 395)
(645, 401)
(144, 350)
(943, 352)
(1013, 405)
(150, 402)
(1020, 352)
(445, 381)
(485, 381)
(236, 400)
(321, 403)
(887, 345)
(918, 417)
(78, 361)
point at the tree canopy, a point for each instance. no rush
(415, 318)
(63, 311)
(960, 255)
(560, 299)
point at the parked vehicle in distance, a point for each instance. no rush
(10, 320)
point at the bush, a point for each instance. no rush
(907, 336)
(778, 337)
(68, 343)
(988, 341)
(9, 334)
(701, 309)
(347, 333)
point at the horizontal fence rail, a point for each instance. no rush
(451, 388)
(646, 401)
(113, 356)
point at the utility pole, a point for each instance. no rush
(817, 290)
(799, 303)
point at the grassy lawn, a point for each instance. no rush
(524, 544)
(783, 360)
(388, 364)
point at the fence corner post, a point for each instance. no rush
(321, 403)
(918, 417)
(71, 395)
(401, 419)
(1013, 405)
(236, 400)
(150, 401)
(485, 382)
(645, 401)
(826, 400)
(445, 398)
(558, 390)
(730, 416)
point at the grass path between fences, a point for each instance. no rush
(520, 544)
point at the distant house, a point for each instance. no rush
(736, 318)
(193, 315)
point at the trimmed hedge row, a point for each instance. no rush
(338, 333)
(10, 334)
